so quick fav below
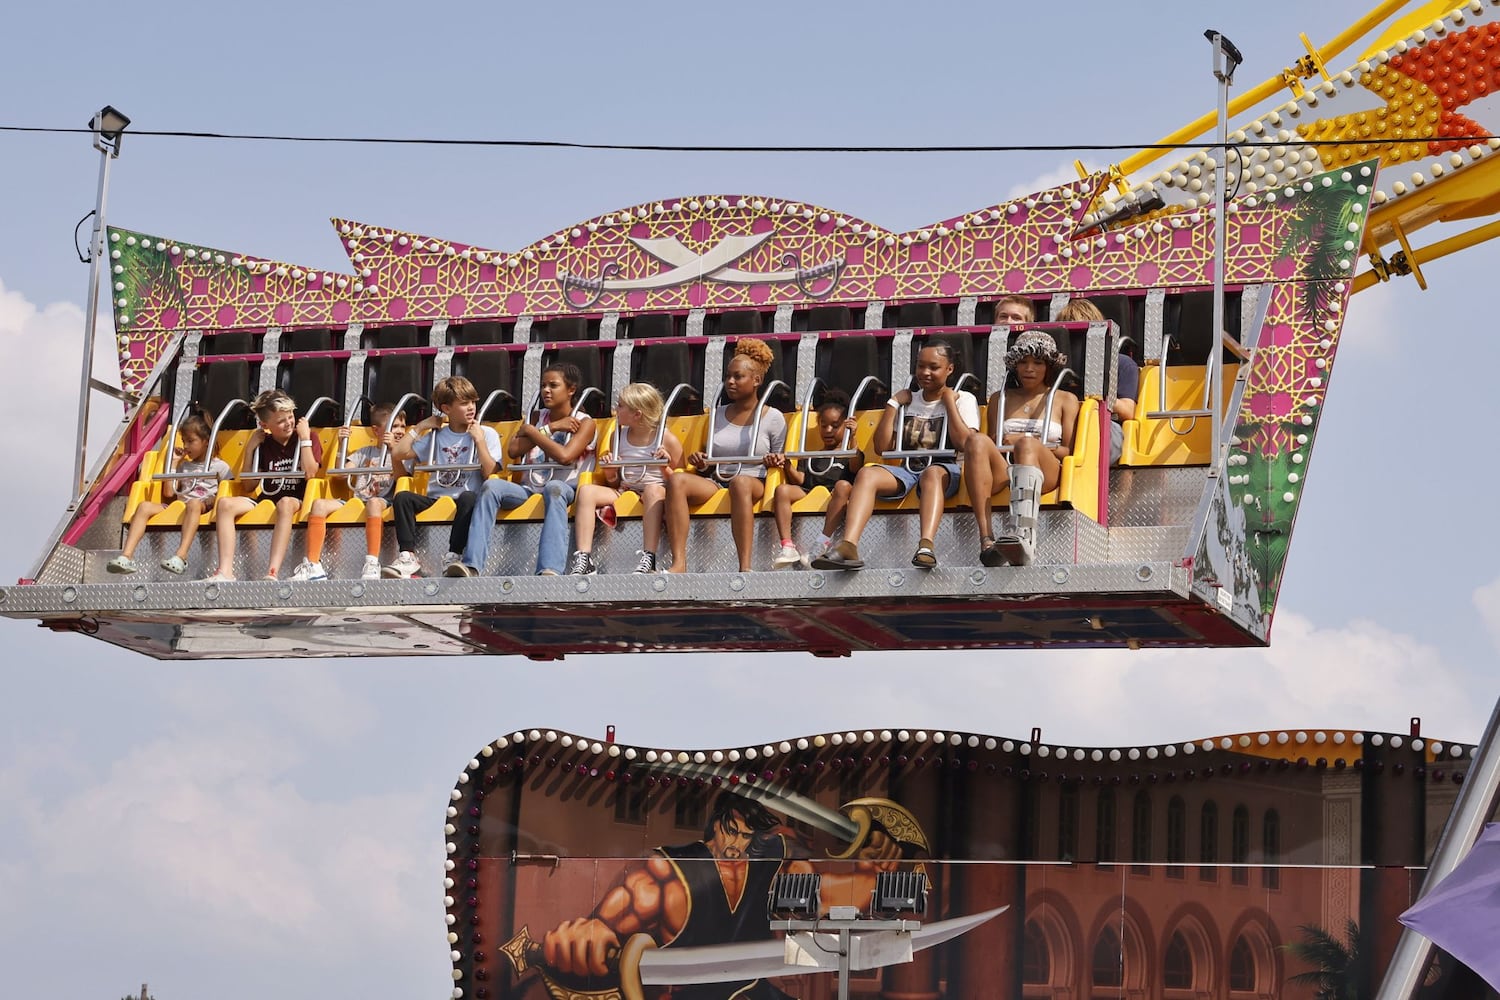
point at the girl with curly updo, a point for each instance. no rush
(746, 482)
(1039, 442)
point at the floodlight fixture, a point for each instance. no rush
(899, 892)
(1227, 57)
(796, 894)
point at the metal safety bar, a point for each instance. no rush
(1172, 416)
(255, 472)
(846, 447)
(926, 455)
(577, 410)
(999, 439)
(170, 472)
(656, 443)
(739, 461)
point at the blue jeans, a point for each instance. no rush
(502, 494)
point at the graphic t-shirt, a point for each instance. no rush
(278, 457)
(455, 448)
(214, 470)
(923, 428)
(369, 485)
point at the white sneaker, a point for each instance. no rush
(306, 571)
(219, 576)
(405, 567)
(787, 556)
(372, 568)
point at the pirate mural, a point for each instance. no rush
(589, 870)
(669, 916)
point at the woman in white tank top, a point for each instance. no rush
(1039, 442)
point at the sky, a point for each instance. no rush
(229, 829)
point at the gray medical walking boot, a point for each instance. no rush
(1018, 542)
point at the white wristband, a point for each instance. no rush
(305, 444)
(892, 403)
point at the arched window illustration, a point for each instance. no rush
(1239, 845)
(1208, 842)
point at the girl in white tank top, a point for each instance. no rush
(634, 463)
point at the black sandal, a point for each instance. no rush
(989, 552)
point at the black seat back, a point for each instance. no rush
(390, 377)
(216, 383)
(590, 367)
(665, 366)
(830, 318)
(741, 323)
(1188, 320)
(309, 379)
(914, 314)
(488, 370)
(562, 329)
(653, 325)
(844, 361)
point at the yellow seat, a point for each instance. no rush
(692, 431)
(353, 510)
(1079, 478)
(1161, 441)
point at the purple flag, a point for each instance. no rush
(1461, 914)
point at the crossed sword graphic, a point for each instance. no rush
(711, 266)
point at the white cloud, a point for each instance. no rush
(1360, 675)
(39, 380)
(1487, 603)
(206, 838)
(1064, 173)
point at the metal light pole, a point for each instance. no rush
(1227, 59)
(1476, 800)
(108, 126)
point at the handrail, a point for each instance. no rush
(925, 455)
(255, 472)
(170, 466)
(1172, 416)
(341, 457)
(738, 461)
(490, 400)
(577, 410)
(999, 438)
(213, 434)
(657, 442)
(827, 456)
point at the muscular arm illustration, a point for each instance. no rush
(649, 900)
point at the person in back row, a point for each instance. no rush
(463, 441)
(1127, 376)
(281, 443)
(561, 438)
(197, 496)
(746, 481)
(933, 407)
(1039, 441)
(373, 489)
(1014, 310)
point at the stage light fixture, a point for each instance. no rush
(900, 892)
(796, 894)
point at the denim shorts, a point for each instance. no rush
(908, 479)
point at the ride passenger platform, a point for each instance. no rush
(1180, 544)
